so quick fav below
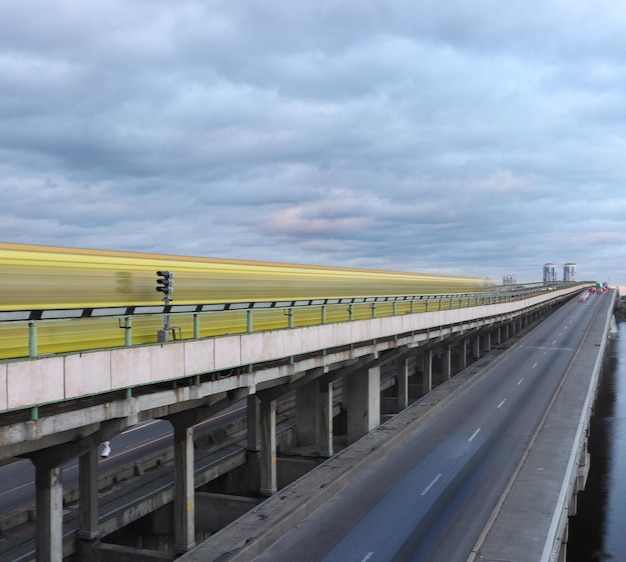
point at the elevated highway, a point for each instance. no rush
(60, 407)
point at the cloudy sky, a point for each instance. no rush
(481, 138)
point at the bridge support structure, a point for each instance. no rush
(49, 498)
(88, 495)
(184, 489)
(267, 415)
(362, 395)
(314, 416)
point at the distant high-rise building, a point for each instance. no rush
(549, 273)
(509, 280)
(569, 271)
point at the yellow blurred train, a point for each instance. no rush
(37, 277)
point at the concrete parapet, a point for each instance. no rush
(31, 382)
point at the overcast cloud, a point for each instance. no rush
(481, 138)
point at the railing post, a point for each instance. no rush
(196, 326)
(395, 308)
(373, 310)
(128, 331)
(290, 317)
(323, 314)
(413, 306)
(249, 321)
(32, 339)
(350, 312)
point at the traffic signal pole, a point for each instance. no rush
(165, 285)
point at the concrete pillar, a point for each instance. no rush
(314, 416)
(325, 419)
(269, 484)
(253, 425)
(307, 414)
(184, 489)
(363, 402)
(403, 385)
(463, 354)
(88, 495)
(427, 370)
(488, 341)
(49, 498)
(447, 361)
(476, 347)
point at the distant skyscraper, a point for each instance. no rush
(569, 271)
(509, 280)
(549, 273)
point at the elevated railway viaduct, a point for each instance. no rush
(61, 407)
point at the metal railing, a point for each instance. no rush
(66, 331)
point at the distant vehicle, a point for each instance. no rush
(583, 296)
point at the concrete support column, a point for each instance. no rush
(447, 361)
(307, 413)
(488, 341)
(325, 419)
(427, 370)
(269, 484)
(476, 347)
(184, 489)
(463, 354)
(403, 385)
(49, 498)
(363, 403)
(314, 416)
(253, 423)
(88, 495)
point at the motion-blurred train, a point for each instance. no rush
(45, 277)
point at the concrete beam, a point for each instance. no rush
(104, 552)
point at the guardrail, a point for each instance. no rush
(33, 333)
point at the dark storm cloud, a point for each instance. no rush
(485, 139)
